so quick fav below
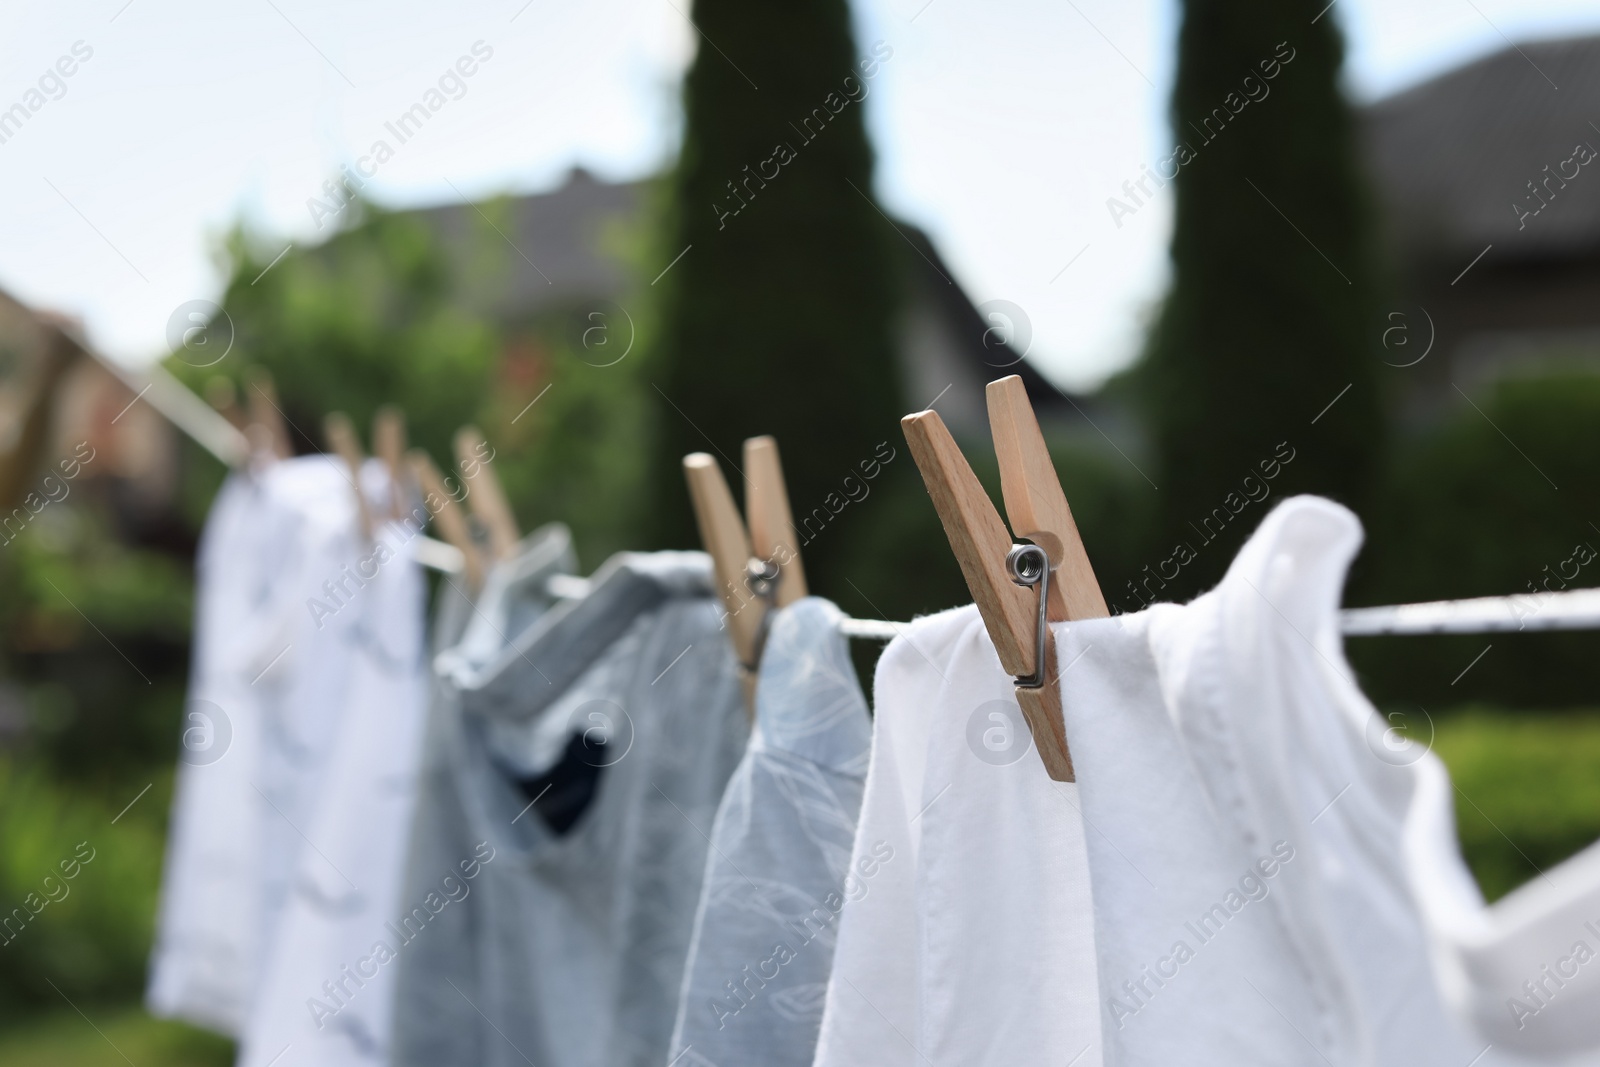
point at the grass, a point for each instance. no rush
(1527, 789)
(109, 1037)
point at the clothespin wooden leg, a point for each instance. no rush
(389, 445)
(723, 534)
(766, 507)
(447, 516)
(488, 499)
(261, 400)
(342, 438)
(1035, 504)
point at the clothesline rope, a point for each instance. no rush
(1574, 609)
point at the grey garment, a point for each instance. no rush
(433, 1022)
(569, 950)
(515, 595)
(779, 869)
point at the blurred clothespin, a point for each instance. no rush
(758, 567)
(487, 498)
(341, 435)
(389, 445)
(261, 403)
(447, 516)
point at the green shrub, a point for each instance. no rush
(92, 940)
(109, 1037)
(93, 647)
(1472, 508)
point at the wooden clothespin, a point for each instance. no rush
(261, 401)
(389, 445)
(757, 568)
(223, 396)
(1001, 574)
(341, 435)
(488, 499)
(447, 515)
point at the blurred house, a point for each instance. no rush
(1488, 181)
(567, 255)
(565, 258)
(59, 400)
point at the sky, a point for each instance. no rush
(1001, 126)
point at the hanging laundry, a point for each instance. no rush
(203, 948)
(252, 725)
(1251, 905)
(779, 872)
(1521, 973)
(304, 671)
(569, 950)
(972, 939)
(328, 990)
(472, 631)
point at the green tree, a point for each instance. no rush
(777, 318)
(1271, 316)
(371, 317)
(391, 311)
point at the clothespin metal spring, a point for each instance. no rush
(761, 578)
(1029, 566)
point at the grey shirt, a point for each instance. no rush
(568, 949)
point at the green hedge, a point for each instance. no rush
(1493, 499)
(91, 941)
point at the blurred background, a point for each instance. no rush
(1237, 249)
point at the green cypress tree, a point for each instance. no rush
(778, 316)
(1271, 313)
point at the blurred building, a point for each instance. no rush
(568, 254)
(1488, 181)
(58, 400)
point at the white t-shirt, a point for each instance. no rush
(347, 883)
(204, 946)
(1521, 973)
(1247, 809)
(972, 940)
(265, 687)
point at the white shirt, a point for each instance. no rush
(1247, 813)
(1522, 973)
(204, 946)
(972, 939)
(347, 883)
(264, 690)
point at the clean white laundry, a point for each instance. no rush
(204, 943)
(1246, 808)
(973, 941)
(303, 669)
(1524, 973)
(327, 997)
(778, 872)
(272, 535)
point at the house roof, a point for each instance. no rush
(557, 245)
(1450, 157)
(564, 247)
